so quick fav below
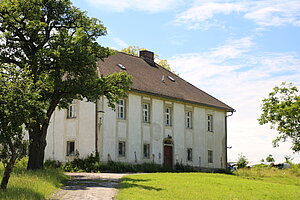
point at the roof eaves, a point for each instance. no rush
(187, 101)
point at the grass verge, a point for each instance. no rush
(268, 184)
(32, 185)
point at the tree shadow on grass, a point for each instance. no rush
(133, 183)
(17, 193)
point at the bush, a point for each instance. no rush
(242, 161)
(92, 164)
(52, 164)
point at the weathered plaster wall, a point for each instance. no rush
(136, 133)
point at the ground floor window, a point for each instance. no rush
(146, 150)
(190, 154)
(210, 156)
(122, 148)
(70, 148)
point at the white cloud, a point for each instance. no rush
(264, 12)
(242, 79)
(200, 16)
(275, 12)
(121, 5)
(120, 42)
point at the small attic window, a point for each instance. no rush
(171, 78)
(121, 66)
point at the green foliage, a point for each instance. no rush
(270, 158)
(54, 164)
(288, 159)
(34, 185)
(242, 161)
(16, 101)
(282, 110)
(93, 164)
(56, 43)
(173, 186)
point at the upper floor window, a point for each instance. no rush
(71, 112)
(188, 119)
(146, 113)
(210, 156)
(210, 123)
(168, 116)
(122, 148)
(121, 109)
(190, 154)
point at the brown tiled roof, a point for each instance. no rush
(147, 78)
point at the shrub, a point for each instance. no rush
(242, 161)
(52, 164)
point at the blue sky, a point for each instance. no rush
(235, 50)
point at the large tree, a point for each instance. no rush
(16, 99)
(57, 43)
(282, 110)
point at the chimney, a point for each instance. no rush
(148, 56)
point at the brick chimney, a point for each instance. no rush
(148, 56)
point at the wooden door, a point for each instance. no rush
(168, 155)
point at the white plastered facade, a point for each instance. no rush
(135, 133)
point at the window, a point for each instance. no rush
(121, 109)
(210, 123)
(146, 114)
(190, 154)
(122, 148)
(188, 119)
(168, 116)
(70, 148)
(146, 150)
(72, 110)
(210, 156)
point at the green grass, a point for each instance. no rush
(32, 185)
(247, 184)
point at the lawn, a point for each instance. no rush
(32, 185)
(247, 184)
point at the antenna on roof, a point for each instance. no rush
(163, 78)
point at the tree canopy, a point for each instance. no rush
(56, 42)
(270, 158)
(16, 100)
(282, 110)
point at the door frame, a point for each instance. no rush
(168, 142)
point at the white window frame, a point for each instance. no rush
(146, 150)
(122, 149)
(210, 156)
(69, 152)
(210, 123)
(71, 111)
(146, 112)
(168, 116)
(122, 109)
(188, 119)
(189, 154)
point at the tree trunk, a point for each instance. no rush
(36, 150)
(37, 137)
(7, 171)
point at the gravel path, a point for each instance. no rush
(90, 186)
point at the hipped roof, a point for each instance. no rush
(152, 79)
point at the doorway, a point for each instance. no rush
(168, 152)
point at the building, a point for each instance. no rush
(164, 120)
